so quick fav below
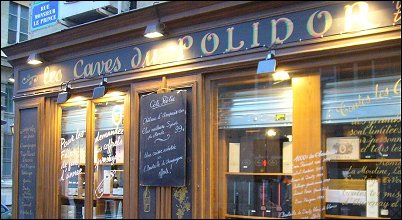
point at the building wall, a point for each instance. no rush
(58, 26)
(6, 72)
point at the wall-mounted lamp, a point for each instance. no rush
(100, 91)
(11, 79)
(155, 29)
(34, 59)
(268, 65)
(65, 94)
(12, 128)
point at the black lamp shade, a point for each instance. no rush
(99, 91)
(63, 97)
(266, 66)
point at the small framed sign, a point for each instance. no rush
(343, 148)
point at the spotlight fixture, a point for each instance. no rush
(34, 59)
(65, 94)
(100, 91)
(155, 29)
(268, 65)
(11, 79)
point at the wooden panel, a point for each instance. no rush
(164, 194)
(37, 103)
(306, 132)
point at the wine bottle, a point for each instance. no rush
(115, 186)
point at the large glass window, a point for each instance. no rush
(255, 139)
(109, 159)
(9, 98)
(7, 155)
(361, 125)
(72, 162)
(17, 23)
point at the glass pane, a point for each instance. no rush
(23, 26)
(12, 37)
(7, 154)
(13, 8)
(12, 22)
(109, 159)
(24, 12)
(256, 148)
(9, 98)
(361, 125)
(72, 170)
(23, 37)
(7, 169)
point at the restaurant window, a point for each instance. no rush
(7, 155)
(109, 159)
(9, 98)
(255, 141)
(72, 162)
(361, 125)
(18, 17)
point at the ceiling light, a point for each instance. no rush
(155, 29)
(11, 79)
(34, 59)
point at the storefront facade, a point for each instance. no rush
(188, 129)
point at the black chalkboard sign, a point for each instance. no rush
(163, 139)
(27, 163)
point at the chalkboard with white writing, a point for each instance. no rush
(27, 163)
(163, 139)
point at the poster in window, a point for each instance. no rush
(343, 148)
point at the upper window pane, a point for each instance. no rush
(23, 37)
(23, 26)
(12, 37)
(24, 12)
(13, 8)
(12, 22)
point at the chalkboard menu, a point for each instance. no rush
(27, 164)
(163, 139)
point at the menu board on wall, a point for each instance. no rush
(27, 164)
(163, 139)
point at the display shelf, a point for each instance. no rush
(351, 217)
(258, 174)
(108, 164)
(248, 217)
(110, 197)
(365, 161)
(73, 197)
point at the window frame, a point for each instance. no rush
(18, 16)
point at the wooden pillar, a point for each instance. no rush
(307, 164)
